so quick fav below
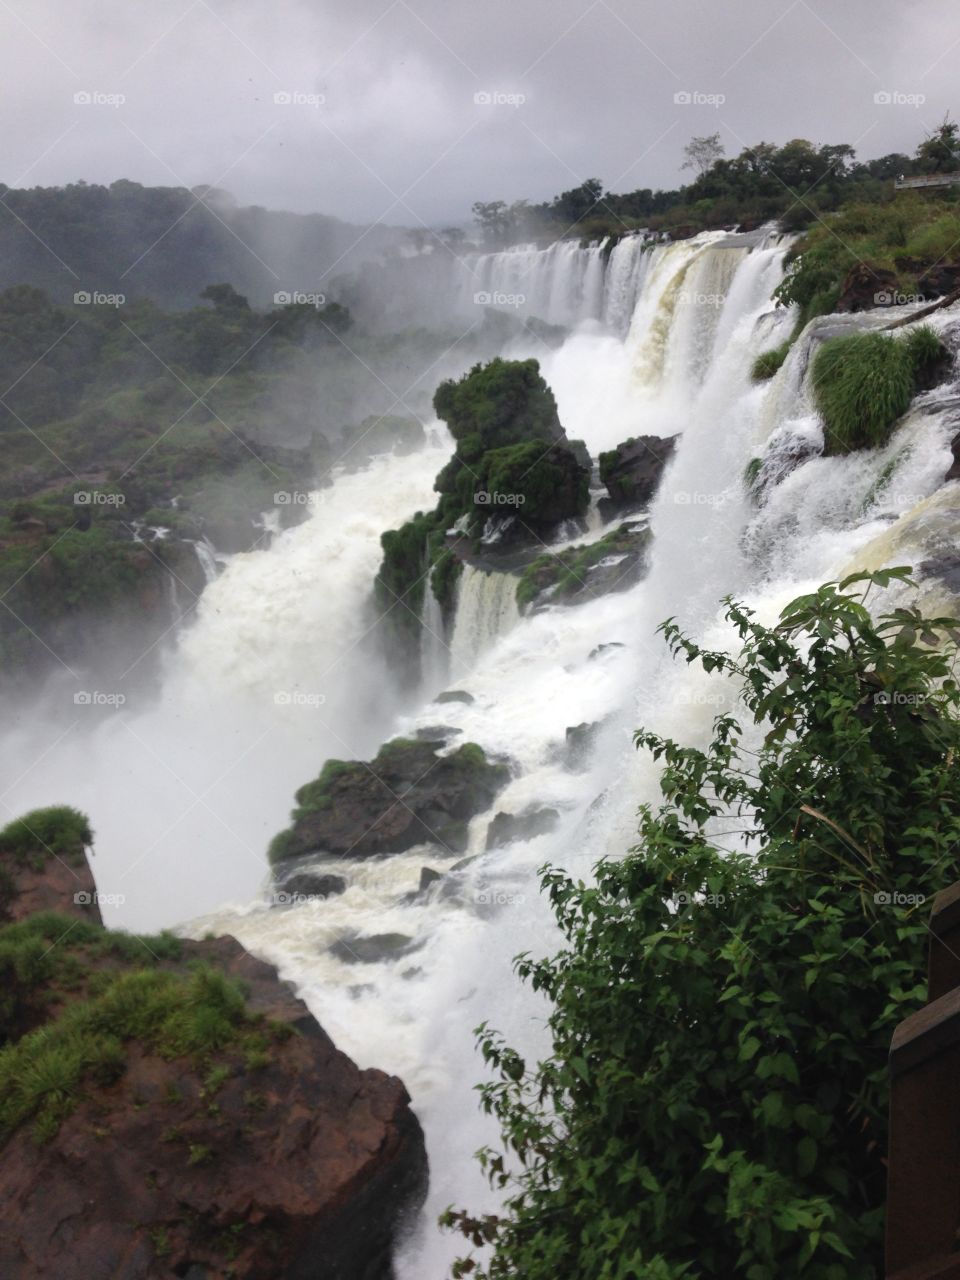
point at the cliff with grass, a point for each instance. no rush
(170, 1108)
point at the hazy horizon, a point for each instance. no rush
(406, 114)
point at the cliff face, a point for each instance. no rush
(263, 1154)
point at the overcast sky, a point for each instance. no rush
(407, 111)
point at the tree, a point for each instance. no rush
(493, 219)
(715, 1100)
(940, 151)
(703, 153)
(225, 297)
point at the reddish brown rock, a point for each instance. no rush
(297, 1169)
(62, 885)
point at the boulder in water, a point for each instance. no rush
(455, 695)
(508, 828)
(616, 562)
(374, 948)
(632, 471)
(308, 884)
(410, 794)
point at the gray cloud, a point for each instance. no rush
(384, 121)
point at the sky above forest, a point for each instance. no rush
(407, 111)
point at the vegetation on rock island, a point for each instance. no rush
(512, 462)
(714, 1102)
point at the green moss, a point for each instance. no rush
(768, 362)
(864, 382)
(566, 571)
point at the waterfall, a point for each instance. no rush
(434, 653)
(565, 283)
(486, 610)
(277, 673)
(210, 562)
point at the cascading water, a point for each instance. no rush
(664, 341)
(486, 610)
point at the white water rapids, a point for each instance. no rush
(276, 674)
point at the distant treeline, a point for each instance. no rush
(163, 243)
(794, 183)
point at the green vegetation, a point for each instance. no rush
(769, 362)
(566, 571)
(509, 443)
(864, 382)
(901, 248)
(57, 831)
(43, 1073)
(49, 958)
(715, 1100)
(797, 183)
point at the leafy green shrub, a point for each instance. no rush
(715, 1100)
(769, 362)
(864, 382)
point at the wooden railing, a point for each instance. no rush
(923, 1177)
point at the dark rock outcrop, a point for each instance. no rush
(616, 562)
(408, 795)
(309, 884)
(44, 867)
(508, 828)
(631, 472)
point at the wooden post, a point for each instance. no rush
(923, 1175)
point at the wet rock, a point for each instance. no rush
(632, 471)
(309, 884)
(428, 877)
(865, 287)
(374, 948)
(508, 828)
(616, 562)
(455, 695)
(604, 648)
(580, 741)
(408, 795)
(437, 733)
